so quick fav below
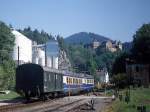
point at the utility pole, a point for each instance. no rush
(45, 55)
(18, 55)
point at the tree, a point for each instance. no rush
(35, 35)
(61, 42)
(100, 50)
(119, 66)
(141, 44)
(119, 76)
(7, 66)
(120, 80)
(6, 42)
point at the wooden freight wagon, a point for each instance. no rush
(32, 80)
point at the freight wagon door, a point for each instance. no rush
(58, 82)
(49, 82)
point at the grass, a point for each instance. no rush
(9, 96)
(139, 96)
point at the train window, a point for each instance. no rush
(77, 81)
(80, 81)
(56, 76)
(49, 77)
(70, 80)
(67, 80)
(73, 80)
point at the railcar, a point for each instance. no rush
(76, 83)
(32, 80)
(35, 81)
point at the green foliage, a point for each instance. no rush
(7, 66)
(7, 76)
(105, 60)
(119, 76)
(119, 66)
(79, 57)
(61, 43)
(138, 96)
(100, 50)
(9, 96)
(87, 60)
(140, 53)
(6, 42)
(141, 44)
(120, 80)
(35, 35)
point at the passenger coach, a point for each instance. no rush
(75, 83)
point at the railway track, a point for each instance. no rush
(55, 105)
(14, 106)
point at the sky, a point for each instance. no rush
(116, 19)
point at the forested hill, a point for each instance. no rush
(84, 38)
(39, 36)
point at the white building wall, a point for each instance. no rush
(38, 56)
(25, 48)
(49, 61)
(41, 55)
(55, 62)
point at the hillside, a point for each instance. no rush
(84, 38)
